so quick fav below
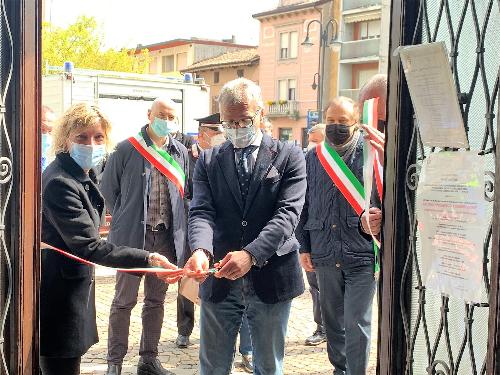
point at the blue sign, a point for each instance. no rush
(312, 118)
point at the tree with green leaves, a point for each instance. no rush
(82, 44)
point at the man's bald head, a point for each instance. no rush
(375, 87)
(163, 108)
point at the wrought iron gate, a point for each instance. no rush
(422, 332)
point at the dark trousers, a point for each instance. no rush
(126, 291)
(314, 289)
(185, 316)
(60, 366)
(346, 304)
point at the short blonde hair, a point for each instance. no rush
(79, 117)
(317, 128)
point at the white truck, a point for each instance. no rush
(126, 97)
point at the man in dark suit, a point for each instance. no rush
(248, 196)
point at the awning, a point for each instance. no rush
(362, 14)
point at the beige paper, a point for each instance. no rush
(189, 288)
(434, 95)
(451, 213)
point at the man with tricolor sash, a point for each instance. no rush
(144, 188)
(331, 245)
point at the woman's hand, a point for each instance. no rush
(170, 273)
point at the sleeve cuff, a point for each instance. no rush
(207, 253)
(255, 260)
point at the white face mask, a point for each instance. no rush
(241, 137)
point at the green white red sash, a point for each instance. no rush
(161, 160)
(371, 164)
(370, 118)
(342, 176)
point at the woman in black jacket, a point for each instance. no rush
(71, 211)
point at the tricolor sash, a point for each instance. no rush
(370, 118)
(161, 160)
(372, 167)
(342, 176)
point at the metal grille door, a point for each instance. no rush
(438, 334)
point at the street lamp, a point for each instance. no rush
(334, 43)
(314, 84)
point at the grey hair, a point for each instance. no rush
(240, 90)
(317, 128)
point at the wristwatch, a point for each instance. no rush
(207, 253)
(254, 260)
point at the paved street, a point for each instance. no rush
(299, 359)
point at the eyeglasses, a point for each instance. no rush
(243, 123)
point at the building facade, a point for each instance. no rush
(218, 70)
(362, 55)
(288, 69)
(172, 56)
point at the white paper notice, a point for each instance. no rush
(452, 221)
(434, 95)
(190, 288)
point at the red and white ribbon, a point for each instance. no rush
(44, 245)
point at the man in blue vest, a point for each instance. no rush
(332, 245)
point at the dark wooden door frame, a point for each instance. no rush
(23, 209)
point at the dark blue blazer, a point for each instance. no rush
(220, 222)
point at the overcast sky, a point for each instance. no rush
(127, 23)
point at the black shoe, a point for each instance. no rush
(182, 341)
(247, 363)
(147, 366)
(318, 337)
(114, 369)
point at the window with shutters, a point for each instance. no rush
(167, 63)
(289, 45)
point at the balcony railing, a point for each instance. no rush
(358, 49)
(288, 108)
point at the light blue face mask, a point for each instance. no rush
(46, 143)
(87, 156)
(241, 137)
(162, 127)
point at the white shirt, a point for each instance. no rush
(256, 142)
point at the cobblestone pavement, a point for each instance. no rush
(299, 359)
